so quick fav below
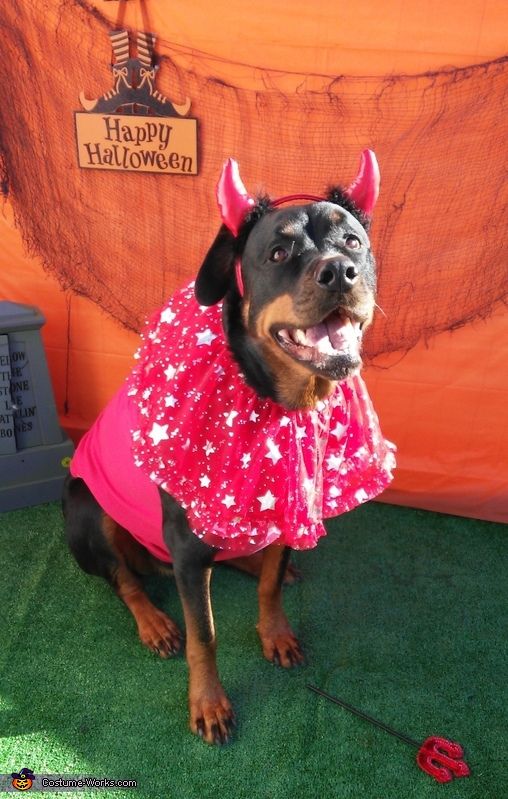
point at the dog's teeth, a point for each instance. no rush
(332, 336)
(295, 335)
(343, 333)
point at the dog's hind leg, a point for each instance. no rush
(155, 628)
(211, 714)
(103, 548)
(279, 643)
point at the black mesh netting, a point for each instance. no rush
(126, 240)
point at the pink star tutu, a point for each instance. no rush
(247, 471)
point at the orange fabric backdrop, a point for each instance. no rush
(443, 403)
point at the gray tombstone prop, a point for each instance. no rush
(34, 451)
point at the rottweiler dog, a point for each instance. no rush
(293, 283)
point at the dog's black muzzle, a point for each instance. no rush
(339, 275)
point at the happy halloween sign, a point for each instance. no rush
(137, 143)
(133, 127)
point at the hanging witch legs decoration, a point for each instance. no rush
(133, 127)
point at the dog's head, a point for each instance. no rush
(299, 283)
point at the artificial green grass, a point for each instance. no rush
(401, 612)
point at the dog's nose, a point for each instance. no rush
(340, 274)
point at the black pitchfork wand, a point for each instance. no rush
(438, 756)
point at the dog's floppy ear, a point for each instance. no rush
(217, 270)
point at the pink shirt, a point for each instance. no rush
(247, 471)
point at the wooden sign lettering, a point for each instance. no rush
(133, 127)
(137, 143)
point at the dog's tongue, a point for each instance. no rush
(334, 335)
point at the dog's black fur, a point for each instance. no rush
(300, 265)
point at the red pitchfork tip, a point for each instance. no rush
(442, 759)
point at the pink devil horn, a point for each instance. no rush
(232, 197)
(364, 190)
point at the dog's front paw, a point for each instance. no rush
(212, 717)
(281, 646)
(160, 633)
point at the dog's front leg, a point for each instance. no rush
(279, 643)
(211, 714)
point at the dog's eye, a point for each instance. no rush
(353, 242)
(279, 254)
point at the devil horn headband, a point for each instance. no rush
(235, 202)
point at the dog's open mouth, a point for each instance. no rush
(338, 336)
